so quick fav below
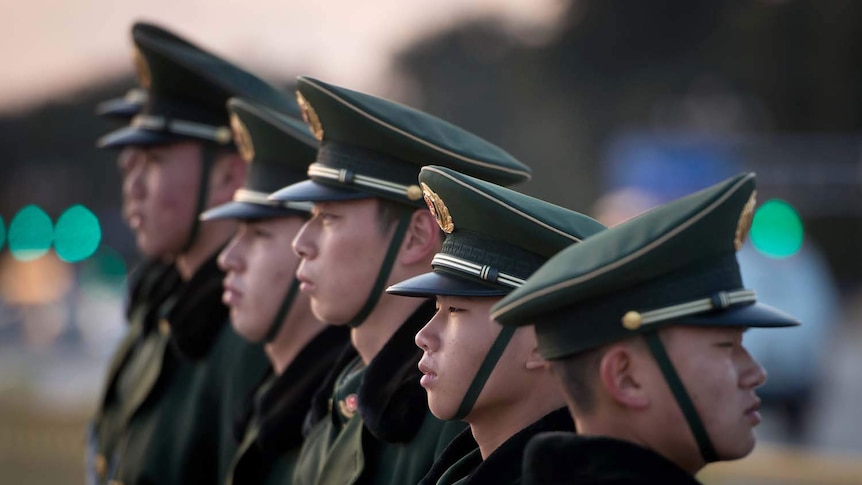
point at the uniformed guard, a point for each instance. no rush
(152, 277)
(643, 326)
(473, 369)
(181, 375)
(263, 294)
(369, 229)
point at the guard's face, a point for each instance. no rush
(260, 268)
(159, 196)
(720, 377)
(342, 249)
(455, 342)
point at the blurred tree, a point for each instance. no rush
(719, 67)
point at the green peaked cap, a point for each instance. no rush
(373, 147)
(278, 149)
(496, 237)
(187, 88)
(130, 104)
(675, 264)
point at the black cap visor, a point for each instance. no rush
(754, 315)
(438, 283)
(249, 210)
(133, 135)
(312, 191)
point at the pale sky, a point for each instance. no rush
(53, 48)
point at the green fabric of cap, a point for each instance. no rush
(673, 265)
(187, 90)
(278, 149)
(496, 237)
(375, 147)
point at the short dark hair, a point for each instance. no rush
(578, 374)
(389, 212)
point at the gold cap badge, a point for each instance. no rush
(310, 116)
(242, 138)
(744, 223)
(438, 209)
(145, 78)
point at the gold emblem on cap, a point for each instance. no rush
(242, 138)
(632, 320)
(744, 223)
(438, 208)
(145, 78)
(310, 116)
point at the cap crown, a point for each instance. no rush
(645, 272)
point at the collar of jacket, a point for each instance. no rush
(504, 464)
(281, 411)
(391, 401)
(569, 458)
(150, 284)
(196, 312)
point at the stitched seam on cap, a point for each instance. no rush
(625, 260)
(507, 206)
(272, 120)
(416, 138)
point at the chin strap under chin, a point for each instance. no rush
(208, 155)
(491, 358)
(682, 398)
(385, 269)
(286, 303)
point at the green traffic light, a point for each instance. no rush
(777, 229)
(30, 233)
(77, 234)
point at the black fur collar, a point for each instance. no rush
(320, 403)
(562, 458)
(196, 313)
(504, 464)
(150, 284)
(282, 409)
(391, 401)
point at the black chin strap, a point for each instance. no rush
(484, 372)
(707, 451)
(208, 155)
(385, 269)
(286, 303)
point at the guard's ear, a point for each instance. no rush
(622, 374)
(422, 240)
(536, 361)
(228, 175)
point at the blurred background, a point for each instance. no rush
(617, 106)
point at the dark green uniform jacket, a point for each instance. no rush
(271, 434)
(371, 423)
(461, 461)
(173, 390)
(566, 458)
